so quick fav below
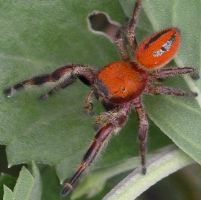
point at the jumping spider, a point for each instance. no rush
(119, 85)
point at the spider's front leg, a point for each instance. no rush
(101, 136)
(143, 131)
(60, 78)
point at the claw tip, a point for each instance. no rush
(67, 188)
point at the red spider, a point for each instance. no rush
(119, 85)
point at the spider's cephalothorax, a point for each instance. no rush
(119, 85)
(120, 81)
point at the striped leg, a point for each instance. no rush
(60, 78)
(132, 25)
(166, 72)
(56, 88)
(143, 131)
(101, 136)
(170, 91)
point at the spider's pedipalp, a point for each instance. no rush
(60, 78)
(88, 102)
(143, 131)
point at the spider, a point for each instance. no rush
(119, 85)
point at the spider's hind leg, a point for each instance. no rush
(60, 78)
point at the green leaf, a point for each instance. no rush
(8, 194)
(37, 37)
(160, 165)
(179, 118)
(28, 186)
(50, 184)
(178, 185)
(7, 180)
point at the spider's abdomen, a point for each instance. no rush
(121, 81)
(158, 49)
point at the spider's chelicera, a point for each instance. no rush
(119, 85)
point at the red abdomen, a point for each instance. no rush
(121, 81)
(158, 49)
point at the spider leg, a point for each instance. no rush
(56, 88)
(101, 136)
(61, 77)
(143, 131)
(114, 31)
(169, 91)
(166, 72)
(88, 102)
(132, 25)
(121, 45)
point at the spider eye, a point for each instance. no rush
(158, 49)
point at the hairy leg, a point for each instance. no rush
(113, 30)
(56, 88)
(166, 72)
(169, 91)
(143, 131)
(132, 25)
(101, 136)
(121, 45)
(127, 34)
(61, 77)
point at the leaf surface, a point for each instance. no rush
(36, 37)
(162, 164)
(28, 186)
